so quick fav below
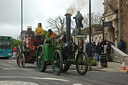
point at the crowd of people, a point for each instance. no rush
(94, 50)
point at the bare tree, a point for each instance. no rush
(57, 23)
(95, 19)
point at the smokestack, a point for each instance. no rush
(68, 26)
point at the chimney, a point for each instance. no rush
(68, 26)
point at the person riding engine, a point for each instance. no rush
(39, 32)
(51, 34)
(29, 38)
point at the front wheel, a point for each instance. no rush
(57, 62)
(40, 59)
(82, 63)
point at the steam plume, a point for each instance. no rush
(76, 5)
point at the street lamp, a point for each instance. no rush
(90, 22)
(90, 55)
(21, 23)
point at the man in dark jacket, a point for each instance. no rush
(98, 50)
(121, 45)
(108, 50)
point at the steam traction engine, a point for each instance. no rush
(61, 55)
(27, 53)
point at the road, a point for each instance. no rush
(10, 74)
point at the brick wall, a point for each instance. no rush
(124, 18)
(114, 3)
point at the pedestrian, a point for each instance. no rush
(103, 42)
(89, 53)
(14, 52)
(89, 49)
(98, 50)
(108, 50)
(121, 45)
(94, 50)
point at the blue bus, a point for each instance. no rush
(5, 46)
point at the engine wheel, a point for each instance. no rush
(22, 60)
(40, 59)
(18, 60)
(57, 62)
(82, 63)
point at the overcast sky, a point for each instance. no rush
(38, 11)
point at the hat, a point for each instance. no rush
(29, 27)
(49, 31)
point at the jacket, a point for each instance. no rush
(52, 35)
(39, 31)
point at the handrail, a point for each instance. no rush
(119, 51)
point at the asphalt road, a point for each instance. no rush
(10, 74)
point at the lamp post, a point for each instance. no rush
(90, 22)
(90, 54)
(21, 23)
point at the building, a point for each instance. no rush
(97, 33)
(116, 11)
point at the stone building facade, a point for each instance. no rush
(116, 11)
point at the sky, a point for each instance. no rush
(35, 11)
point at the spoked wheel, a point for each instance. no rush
(65, 67)
(40, 59)
(22, 60)
(82, 63)
(57, 62)
(18, 60)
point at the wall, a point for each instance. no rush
(124, 17)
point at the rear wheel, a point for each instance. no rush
(22, 60)
(40, 59)
(57, 62)
(82, 63)
(18, 60)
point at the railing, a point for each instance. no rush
(117, 55)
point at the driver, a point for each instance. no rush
(51, 34)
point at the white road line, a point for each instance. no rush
(56, 79)
(9, 68)
(17, 83)
(77, 84)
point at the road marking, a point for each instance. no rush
(9, 68)
(77, 84)
(17, 83)
(56, 79)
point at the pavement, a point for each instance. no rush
(111, 67)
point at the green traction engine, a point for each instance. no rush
(61, 54)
